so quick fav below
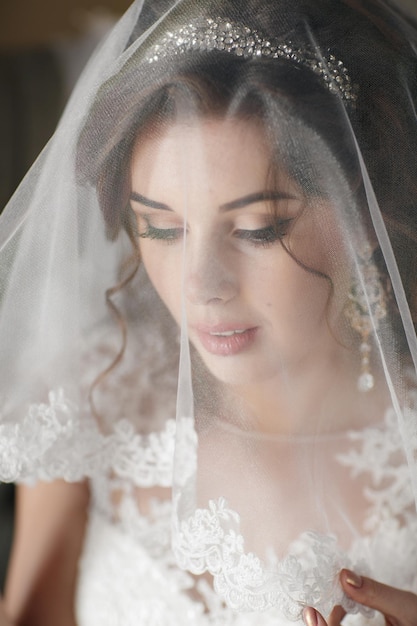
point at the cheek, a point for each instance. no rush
(164, 272)
(293, 299)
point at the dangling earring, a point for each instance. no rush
(362, 308)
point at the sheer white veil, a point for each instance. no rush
(278, 329)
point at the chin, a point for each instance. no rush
(241, 370)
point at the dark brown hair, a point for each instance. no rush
(367, 35)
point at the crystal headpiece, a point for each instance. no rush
(208, 34)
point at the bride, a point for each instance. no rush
(208, 388)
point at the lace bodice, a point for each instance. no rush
(129, 575)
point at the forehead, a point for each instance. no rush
(225, 152)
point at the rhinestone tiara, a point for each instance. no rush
(207, 34)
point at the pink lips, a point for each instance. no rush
(225, 341)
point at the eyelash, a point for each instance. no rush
(268, 235)
(260, 237)
(168, 235)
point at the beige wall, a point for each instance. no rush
(29, 23)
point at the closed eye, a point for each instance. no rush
(267, 235)
(168, 235)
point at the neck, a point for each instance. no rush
(314, 397)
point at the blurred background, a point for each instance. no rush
(44, 45)
(410, 6)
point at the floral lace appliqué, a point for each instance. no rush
(379, 453)
(210, 540)
(26, 446)
(54, 442)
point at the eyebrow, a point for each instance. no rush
(252, 198)
(137, 197)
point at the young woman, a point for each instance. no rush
(222, 231)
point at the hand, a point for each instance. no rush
(398, 607)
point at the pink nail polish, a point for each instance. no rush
(353, 579)
(310, 616)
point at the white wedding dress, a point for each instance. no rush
(128, 575)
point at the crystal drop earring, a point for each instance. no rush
(367, 305)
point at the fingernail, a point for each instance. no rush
(310, 616)
(353, 579)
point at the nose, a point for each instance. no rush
(210, 277)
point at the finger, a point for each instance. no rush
(312, 617)
(392, 602)
(336, 616)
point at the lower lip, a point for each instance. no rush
(227, 346)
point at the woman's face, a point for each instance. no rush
(208, 233)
